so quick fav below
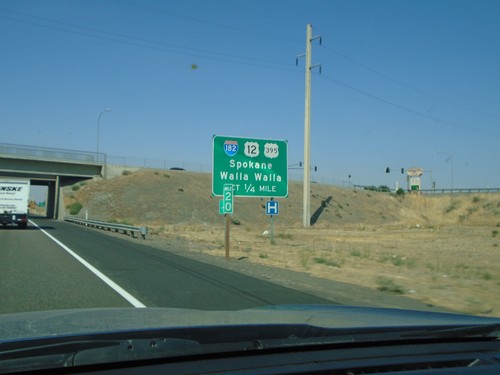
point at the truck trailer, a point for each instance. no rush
(14, 196)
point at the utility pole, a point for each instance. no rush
(306, 219)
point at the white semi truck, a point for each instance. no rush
(14, 196)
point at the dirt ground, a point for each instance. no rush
(441, 250)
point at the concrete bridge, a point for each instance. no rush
(51, 167)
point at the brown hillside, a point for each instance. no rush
(157, 198)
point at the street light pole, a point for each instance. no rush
(98, 126)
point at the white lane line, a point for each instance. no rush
(117, 288)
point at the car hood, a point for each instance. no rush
(29, 325)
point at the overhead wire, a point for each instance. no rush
(403, 84)
(207, 22)
(151, 44)
(408, 109)
(242, 60)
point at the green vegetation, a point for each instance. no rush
(77, 186)
(494, 233)
(327, 262)
(486, 276)
(453, 206)
(124, 222)
(126, 172)
(398, 260)
(74, 208)
(305, 256)
(356, 253)
(385, 284)
(381, 188)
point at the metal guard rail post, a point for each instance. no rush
(109, 226)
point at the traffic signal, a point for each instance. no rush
(402, 170)
(388, 170)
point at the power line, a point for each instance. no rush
(234, 59)
(207, 22)
(403, 84)
(140, 42)
(410, 110)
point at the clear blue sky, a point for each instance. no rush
(403, 84)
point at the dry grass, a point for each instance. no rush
(442, 250)
(452, 267)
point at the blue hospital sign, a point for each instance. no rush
(272, 208)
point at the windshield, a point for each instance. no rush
(265, 156)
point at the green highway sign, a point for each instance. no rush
(255, 167)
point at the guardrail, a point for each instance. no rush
(48, 153)
(109, 226)
(434, 191)
(460, 190)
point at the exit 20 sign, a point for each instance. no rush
(226, 204)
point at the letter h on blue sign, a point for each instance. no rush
(272, 208)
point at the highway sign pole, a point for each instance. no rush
(227, 208)
(271, 210)
(272, 229)
(272, 226)
(226, 237)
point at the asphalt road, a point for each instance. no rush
(36, 273)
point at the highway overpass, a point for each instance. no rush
(51, 167)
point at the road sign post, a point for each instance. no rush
(227, 208)
(272, 208)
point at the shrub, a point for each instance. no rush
(74, 208)
(327, 262)
(384, 188)
(400, 192)
(453, 206)
(388, 285)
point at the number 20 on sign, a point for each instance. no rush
(227, 201)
